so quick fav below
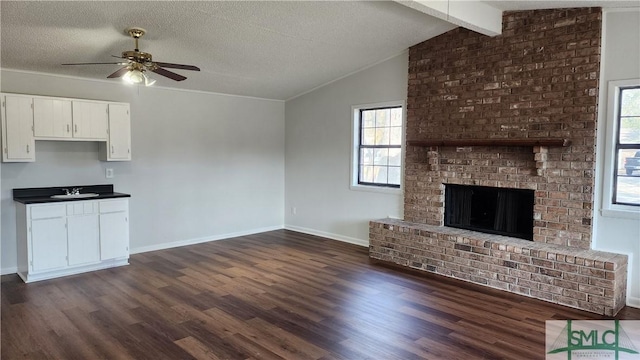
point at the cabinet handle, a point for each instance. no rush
(67, 127)
(112, 149)
(75, 128)
(27, 149)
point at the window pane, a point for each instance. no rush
(382, 117)
(628, 177)
(381, 156)
(395, 137)
(366, 174)
(368, 118)
(630, 102)
(394, 175)
(380, 174)
(629, 162)
(369, 136)
(395, 157)
(366, 156)
(396, 117)
(382, 136)
(630, 130)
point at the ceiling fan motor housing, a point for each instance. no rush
(137, 56)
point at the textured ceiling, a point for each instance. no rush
(268, 49)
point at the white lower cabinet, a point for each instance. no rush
(71, 237)
(49, 244)
(114, 229)
(83, 239)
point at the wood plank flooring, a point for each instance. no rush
(275, 295)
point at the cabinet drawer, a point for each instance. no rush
(47, 211)
(82, 208)
(108, 206)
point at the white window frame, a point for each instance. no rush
(355, 148)
(610, 209)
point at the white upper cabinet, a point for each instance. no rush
(26, 118)
(17, 129)
(90, 120)
(52, 118)
(119, 140)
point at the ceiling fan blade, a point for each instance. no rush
(169, 74)
(100, 63)
(177, 66)
(118, 73)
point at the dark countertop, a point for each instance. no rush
(43, 195)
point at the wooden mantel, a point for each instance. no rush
(491, 142)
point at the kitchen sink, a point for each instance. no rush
(75, 196)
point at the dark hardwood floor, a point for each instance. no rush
(276, 295)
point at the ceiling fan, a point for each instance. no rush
(136, 63)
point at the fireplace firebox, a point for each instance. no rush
(490, 210)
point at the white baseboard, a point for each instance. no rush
(633, 302)
(9, 270)
(173, 244)
(332, 236)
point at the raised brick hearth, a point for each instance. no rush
(538, 80)
(585, 279)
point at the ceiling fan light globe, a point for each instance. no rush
(134, 77)
(148, 81)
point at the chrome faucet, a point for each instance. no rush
(74, 191)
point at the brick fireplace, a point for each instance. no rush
(513, 111)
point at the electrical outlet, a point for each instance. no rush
(108, 173)
(294, 211)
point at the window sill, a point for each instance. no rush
(377, 189)
(621, 213)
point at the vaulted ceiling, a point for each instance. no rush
(268, 49)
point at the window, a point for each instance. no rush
(377, 158)
(623, 193)
(627, 174)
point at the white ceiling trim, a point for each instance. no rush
(472, 15)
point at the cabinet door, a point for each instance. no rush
(48, 244)
(89, 120)
(17, 129)
(83, 239)
(114, 235)
(51, 118)
(119, 142)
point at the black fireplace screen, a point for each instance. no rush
(491, 210)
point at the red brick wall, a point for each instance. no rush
(539, 79)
